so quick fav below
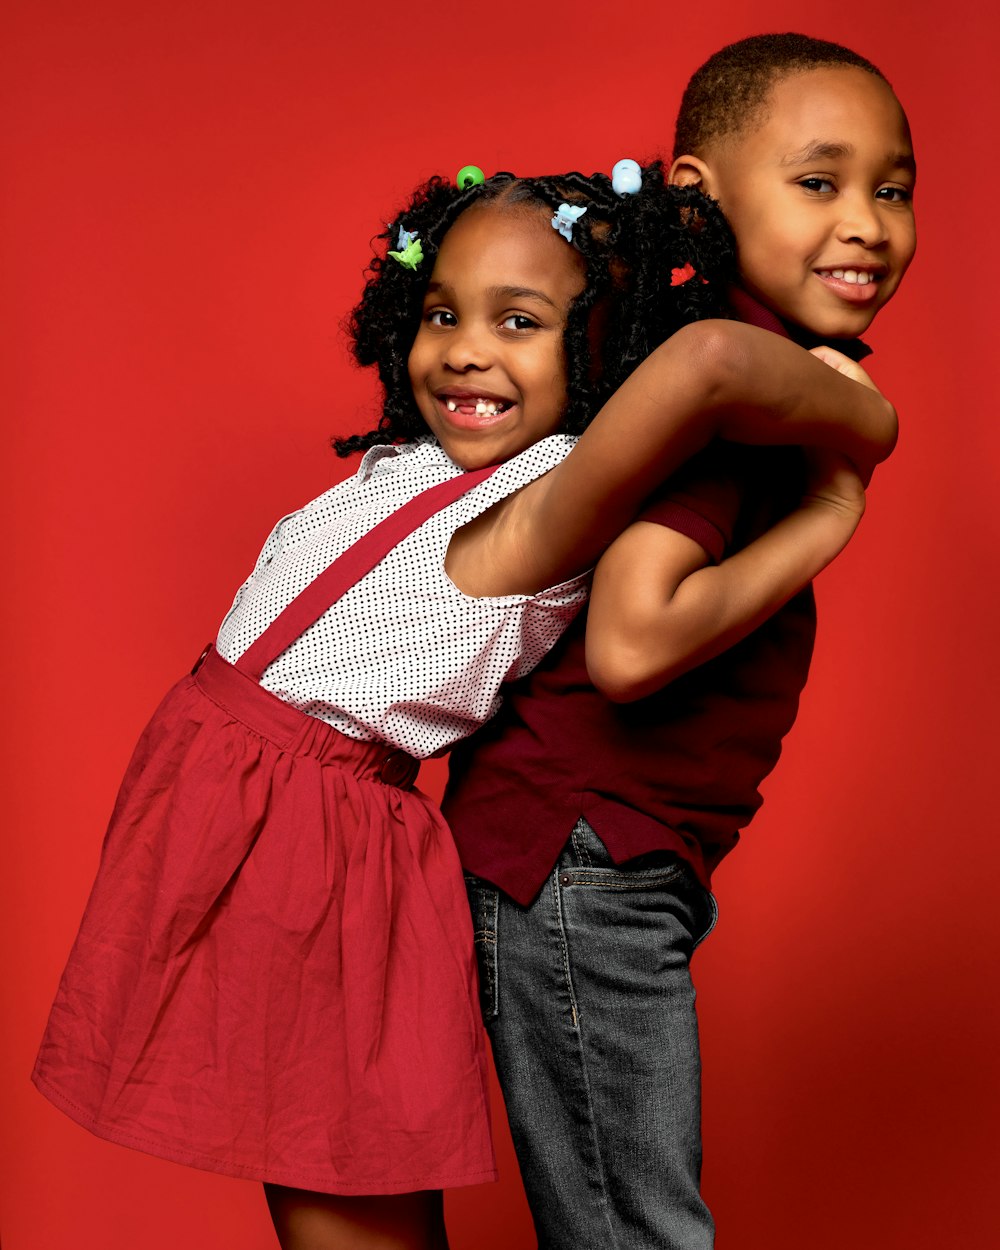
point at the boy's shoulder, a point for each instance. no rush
(746, 308)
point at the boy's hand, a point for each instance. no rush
(850, 369)
(833, 481)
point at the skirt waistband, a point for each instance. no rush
(291, 730)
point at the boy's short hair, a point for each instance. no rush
(729, 92)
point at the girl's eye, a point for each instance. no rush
(894, 195)
(519, 322)
(819, 186)
(441, 317)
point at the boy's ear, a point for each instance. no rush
(691, 171)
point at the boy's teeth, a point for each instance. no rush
(860, 277)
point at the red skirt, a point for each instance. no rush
(274, 977)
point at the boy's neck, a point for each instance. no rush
(749, 309)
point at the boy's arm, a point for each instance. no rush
(658, 610)
(712, 379)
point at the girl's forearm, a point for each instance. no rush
(712, 379)
(672, 629)
(774, 393)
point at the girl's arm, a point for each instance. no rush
(658, 611)
(712, 379)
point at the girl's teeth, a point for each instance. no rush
(484, 407)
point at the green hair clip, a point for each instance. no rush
(409, 253)
(469, 176)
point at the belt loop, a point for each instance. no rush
(201, 658)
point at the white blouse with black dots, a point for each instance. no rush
(403, 656)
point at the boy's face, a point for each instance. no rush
(819, 198)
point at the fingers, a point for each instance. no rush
(843, 364)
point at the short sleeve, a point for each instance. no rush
(545, 617)
(702, 500)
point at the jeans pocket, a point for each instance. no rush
(484, 902)
(710, 913)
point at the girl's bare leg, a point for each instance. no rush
(305, 1220)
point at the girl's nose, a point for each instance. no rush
(467, 347)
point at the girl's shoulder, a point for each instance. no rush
(528, 465)
(410, 466)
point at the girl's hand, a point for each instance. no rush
(843, 364)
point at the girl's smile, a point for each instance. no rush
(488, 367)
(472, 410)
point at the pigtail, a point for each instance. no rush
(656, 260)
(680, 258)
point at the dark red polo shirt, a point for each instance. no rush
(677, 771)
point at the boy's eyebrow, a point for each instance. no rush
(820, 150)
(817, 151)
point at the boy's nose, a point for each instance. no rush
(862, 223)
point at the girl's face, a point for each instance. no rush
(487, 367)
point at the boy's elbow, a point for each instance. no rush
(622, 670)
(617, 684)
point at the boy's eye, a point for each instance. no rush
(820, 186)
(519, 321)
(441, 317)
(894, 195)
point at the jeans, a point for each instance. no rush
(588, 1001)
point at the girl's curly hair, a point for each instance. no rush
(654, 261)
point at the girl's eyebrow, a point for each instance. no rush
(519, 292)
(498, 292)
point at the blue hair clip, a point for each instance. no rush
(565, 218)
(626, 177)
(404, 239)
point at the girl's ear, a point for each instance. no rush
(692, 171)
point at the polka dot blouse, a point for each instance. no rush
(403, 656)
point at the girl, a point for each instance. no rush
(274, 977)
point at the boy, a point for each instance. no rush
(585, 947)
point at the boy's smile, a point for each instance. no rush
(487, 367)
(820, 199)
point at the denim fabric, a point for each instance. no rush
(588, 1001)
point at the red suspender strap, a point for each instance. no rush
(350, 567)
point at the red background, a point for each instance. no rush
(191, 188)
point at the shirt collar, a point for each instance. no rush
(753, 312)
